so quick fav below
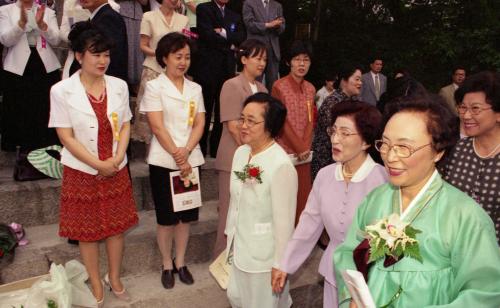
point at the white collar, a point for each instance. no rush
(417, 197)
(455, 86)
(374, 74)
(92, 15)
(360, 174)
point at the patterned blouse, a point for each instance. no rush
(295, 96)
(321, 144)
(477, 177)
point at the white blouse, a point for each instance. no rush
(179, 111)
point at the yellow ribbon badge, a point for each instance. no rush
(114, 119)
(309, 111)
(192, 106)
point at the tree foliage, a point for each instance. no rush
(427, 37)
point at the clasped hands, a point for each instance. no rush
(181, 155)
(304, 155)
(40, 12)
(109, 167)
(275, 23)
(278, 279)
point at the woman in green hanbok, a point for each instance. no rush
(455, 261)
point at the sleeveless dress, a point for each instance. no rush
(93, 207)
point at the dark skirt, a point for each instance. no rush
(159, 178)
(24, 112)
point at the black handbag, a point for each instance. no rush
(23, 169)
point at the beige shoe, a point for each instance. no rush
(122, 295)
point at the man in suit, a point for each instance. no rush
(374, 83)
(111, 23)
(220, 32)
(448, 92)
(264, 21)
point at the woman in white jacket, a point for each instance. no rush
(91, 113)
(262, 206)
(28, 31)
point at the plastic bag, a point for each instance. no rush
(66, 287)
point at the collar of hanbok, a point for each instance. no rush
(360, 174)
(421, 200)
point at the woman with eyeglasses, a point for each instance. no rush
(337, 191)
(262, 207)
(419, 241)
(475, 161)
(348, 86)
(297, 94)
(252, 56)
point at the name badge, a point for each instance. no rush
(114, 119)
(192, 107)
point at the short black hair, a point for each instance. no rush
(85, 36)
(251, 48)
(458, 67)
(299, 47)
(275, 112)
(442, 124)
(330, 77)
(375, 58)
(487, 82)
(346, 71)
(170, 43)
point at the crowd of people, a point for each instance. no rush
(295, 166)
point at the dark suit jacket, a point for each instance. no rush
(255, 18)
(217, 60)
(111, 23)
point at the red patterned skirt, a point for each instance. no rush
(94, 208)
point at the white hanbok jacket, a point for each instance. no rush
(261, 216)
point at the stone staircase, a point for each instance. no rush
(35, 205)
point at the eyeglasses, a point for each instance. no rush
(474, 110)
(249, 122)
(341, 134)
(402, 151)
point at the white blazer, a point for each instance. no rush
(261, 216)
(16, 40)
(70, 107)
(162, 95)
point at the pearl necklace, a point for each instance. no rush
(489, 155)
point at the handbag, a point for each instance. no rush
(23, 169)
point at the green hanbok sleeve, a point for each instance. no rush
(475, 260)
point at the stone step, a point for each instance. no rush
(7, 159)
(141, 253)
(146, 290)
(36, 203)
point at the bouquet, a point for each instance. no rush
(392, 237)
